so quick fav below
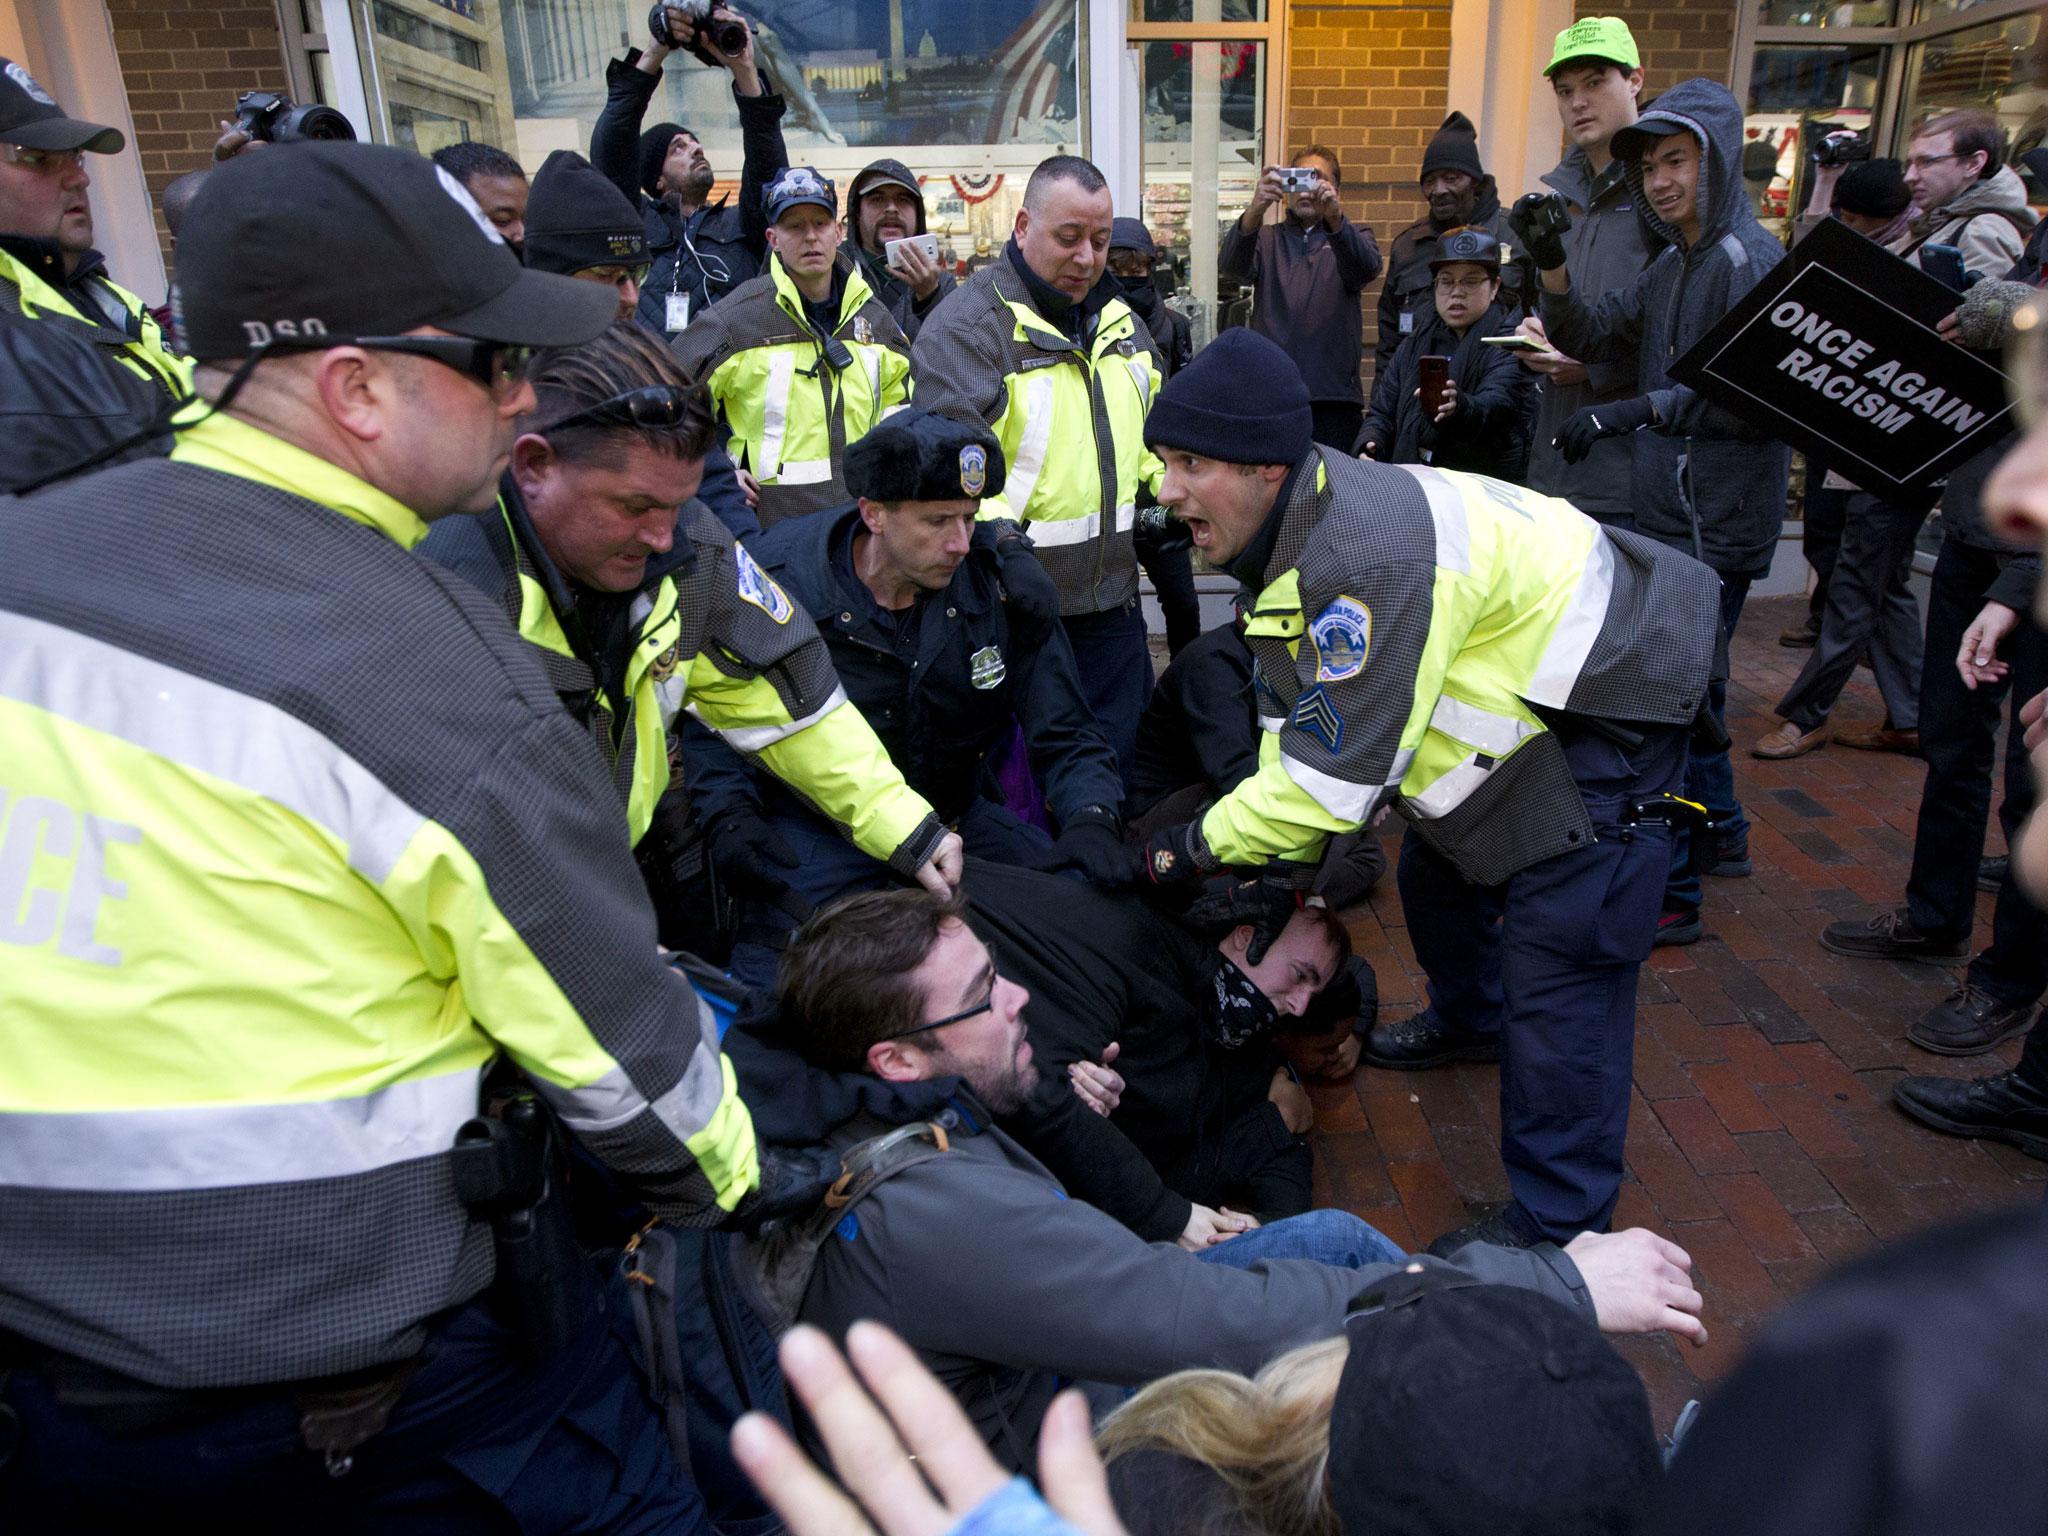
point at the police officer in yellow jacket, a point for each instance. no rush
(82, 363)
(641, 611)
(803, 360)
(1039, 346)
(295, 842)
(1518, 682)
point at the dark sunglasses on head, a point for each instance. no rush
(654, 405)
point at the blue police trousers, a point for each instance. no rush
(1548, 960)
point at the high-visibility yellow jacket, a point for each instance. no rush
(713, 633)
(142, 352)
(1071, 419)
(790, 411)
(1412, 626)
(295, 839)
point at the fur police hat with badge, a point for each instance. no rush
(921, 456)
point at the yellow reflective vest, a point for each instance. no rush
(713, 634)
(1412, 628)
(1071, 419)
(791, 412)
(144, 354)
(295, 839)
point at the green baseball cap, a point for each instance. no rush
(1595, 37)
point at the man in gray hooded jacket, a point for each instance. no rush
(885, 203)
(1704, 480)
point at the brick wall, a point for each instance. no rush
(1678, 39)
(1370, 80)
(184, 64)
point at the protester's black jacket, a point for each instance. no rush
(1201, 728)
(1488, 434)
(937, 722)
(733, 235)
(1104, 966)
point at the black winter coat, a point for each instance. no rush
(1488, 434)
(980, 663)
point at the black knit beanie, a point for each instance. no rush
(1454, 148)
(576, 218)
(1876, 189)
(654, 145)
(1241, 400)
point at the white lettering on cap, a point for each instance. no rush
(27, 82)
(469, 205)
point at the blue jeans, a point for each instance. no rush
(1710, 777)
(1336, 1238)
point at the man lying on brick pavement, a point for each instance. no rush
(966, 1245)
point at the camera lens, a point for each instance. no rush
(729, 37)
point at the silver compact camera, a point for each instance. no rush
(1298, 180)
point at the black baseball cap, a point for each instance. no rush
(337, 239)
(797, 184)
(31, 118)
(1466, 243)
(1470, 1407)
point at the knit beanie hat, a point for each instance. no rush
(654, 145)
(1241, 400)
(1876, 189)
(576, 218)
(1455, 148)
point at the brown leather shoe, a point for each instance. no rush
(1790, 741)
(1880, 738)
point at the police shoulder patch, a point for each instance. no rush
(758, 588)
(1343, 638)
(973, 469)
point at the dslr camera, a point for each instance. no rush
(272, 118)
(727, 33)
(1845, 146)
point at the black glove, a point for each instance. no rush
(1540, 220)
(1030, 591)
(746, 852)
(1174, 858)
(1091, 843)
(1265, 904)
(1159, 532)
(1577, 437)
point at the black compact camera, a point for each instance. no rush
(725, 33)
(272, 118)
(1845, 146)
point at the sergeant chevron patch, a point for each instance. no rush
(1314, 713)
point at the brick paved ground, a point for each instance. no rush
(1762, 1137)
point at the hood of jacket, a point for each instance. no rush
(895, 170)
(796, 1104)
(1712, 116)
(2001, 193)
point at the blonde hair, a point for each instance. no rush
(1266, 1436)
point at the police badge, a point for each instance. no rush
(973, 469)
(863, 329)
(985, 668)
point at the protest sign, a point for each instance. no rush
(1836, 353)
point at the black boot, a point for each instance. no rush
(2005, 1108)
(1425, 1040)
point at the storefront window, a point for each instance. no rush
(1198, 10)
(1797, 96)
(1204, 111)
(971, 94)
(1988, 66)
(1810, 13)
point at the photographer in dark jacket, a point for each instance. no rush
(1482, 424)
(883, 204)
(700, 251)
(936, 650)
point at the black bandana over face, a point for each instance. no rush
(1239, 1012)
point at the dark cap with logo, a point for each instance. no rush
(1466, 243)
(795, 185)
(576, 218)
(31, 118)
(360, 240)
(921, 456)
(1465, 1406)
